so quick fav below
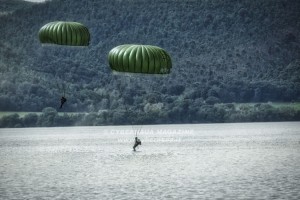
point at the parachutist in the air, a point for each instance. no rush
(62, 101)
(136, 143)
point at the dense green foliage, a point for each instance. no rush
(222, 52)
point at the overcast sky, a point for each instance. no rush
(35, 0)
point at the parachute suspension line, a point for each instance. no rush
(136, 133)
(65, 88)
(138, 130)
(62, 88)
(58, 87)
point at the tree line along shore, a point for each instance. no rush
(155, 114)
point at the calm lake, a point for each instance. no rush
(207, 161)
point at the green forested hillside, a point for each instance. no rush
(222, 52)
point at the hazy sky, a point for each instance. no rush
(35, 0)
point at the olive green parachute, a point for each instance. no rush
(65, 33)
(134, 58)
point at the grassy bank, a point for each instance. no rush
(23, 114)
(293, 105)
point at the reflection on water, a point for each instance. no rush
(226, 161)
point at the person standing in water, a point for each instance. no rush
(137, 142)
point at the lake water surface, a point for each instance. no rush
(207, 161)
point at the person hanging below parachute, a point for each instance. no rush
(63, 87)
(139, 59)
(67, 34)
(62, 101)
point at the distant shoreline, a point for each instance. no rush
(217, 113)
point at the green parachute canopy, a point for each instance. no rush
(134, 58)
(65, 33)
